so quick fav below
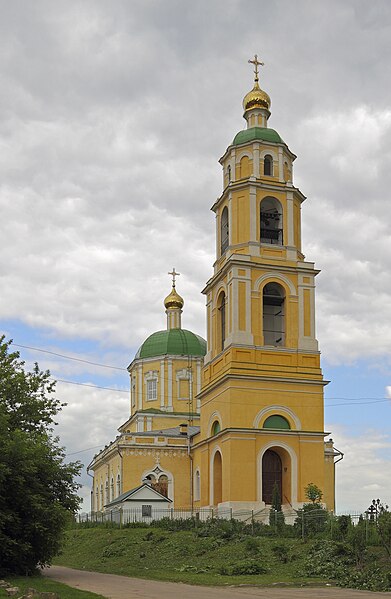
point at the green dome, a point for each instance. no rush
(261, 133)
(174, 342)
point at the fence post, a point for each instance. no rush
(172, 513)
(120, 517)
(212, 513)
(232, 513)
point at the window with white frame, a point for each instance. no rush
(151, 380)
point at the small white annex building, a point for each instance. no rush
(141, 504)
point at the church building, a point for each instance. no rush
(220, 423)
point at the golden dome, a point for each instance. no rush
(256, 98)
(173, 300)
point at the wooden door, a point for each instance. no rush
(271, 474)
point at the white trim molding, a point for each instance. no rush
(279, 411)
(293, 458)
(211, 463)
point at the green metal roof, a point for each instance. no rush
(261, 133)
(175, 342)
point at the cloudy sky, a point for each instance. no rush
(112, 118)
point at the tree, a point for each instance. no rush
(313, 493)
(37, 489)
(312, 517)
(383, 524)
(276, 516)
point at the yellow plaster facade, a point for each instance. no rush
(221, 424)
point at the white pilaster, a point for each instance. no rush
(140, 387)
(280, 165)
(256, 161)
(162, 374)
(198, 383)
(289, 220)
(169, 385)
(253, 213)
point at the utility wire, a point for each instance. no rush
(46, 351)
(89, 385)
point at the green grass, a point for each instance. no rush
(40, 583)
(183, 556)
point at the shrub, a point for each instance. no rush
(245, 567)
(251, 545)
(281, 552)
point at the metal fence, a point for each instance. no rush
(305, 523)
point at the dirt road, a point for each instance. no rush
(122, 587)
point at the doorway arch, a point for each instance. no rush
(289, 471)
(217, 478)
(271, 475)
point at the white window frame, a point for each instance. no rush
(151, 380)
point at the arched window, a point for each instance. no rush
(273, 315)
(107, 498)
(112, 489)
(276, 421)
(118, 485)
(229, 173)
(221, 321)
(216, 428)
(217, 479)
(97, 499)
(268, 166)
(101, 495)
(244, 167)
(163, 485)
(271, 221)
(197, 486)
(224, 230)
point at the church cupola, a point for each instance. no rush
(257, 102)
(173, 304)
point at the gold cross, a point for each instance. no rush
(256, 63)
(174, 274)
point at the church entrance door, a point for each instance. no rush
(271, 474)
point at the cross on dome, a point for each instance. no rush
(174, 274)
(256, 63)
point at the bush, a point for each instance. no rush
(245, 567)
(251, 545)
(315, 520)
(281, 552)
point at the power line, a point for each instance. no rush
(46, 351)
(84, 450)
(89, 385)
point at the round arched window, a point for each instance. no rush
(216, 428)
(276, 421)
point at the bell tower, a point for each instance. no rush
(262, 392)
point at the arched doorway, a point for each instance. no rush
(271, 475)
(217, 479)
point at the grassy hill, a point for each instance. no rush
(223, 553)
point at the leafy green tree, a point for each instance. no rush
(313, 493)
(358, 542)
(37, 489)
(276, 516)
(383, 524)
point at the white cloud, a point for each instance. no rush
(365, 470)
